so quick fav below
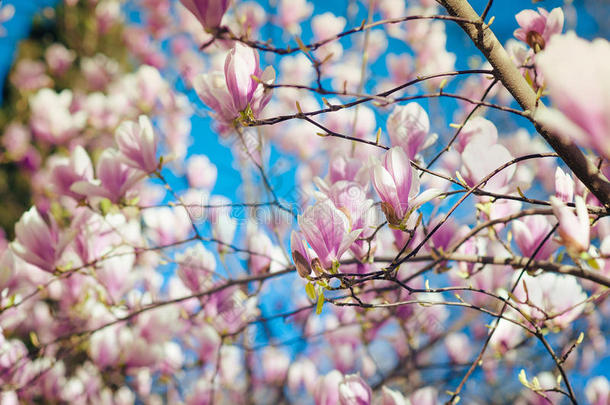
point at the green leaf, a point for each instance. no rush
(310, 290)
(320, 303)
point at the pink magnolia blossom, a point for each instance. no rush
(302, 255)
(425, 396)
(275, 364)
(473, 129)
(538, 27)
(237, 91)
(52, 119)
(59, 58)
(292, 12)
(67, 171)
(350, 197)
(241, 65)
(37, 242)
(261, 247)
(476, 165)
(326, 391)
(302, 372)
(529, 233)
(250, 17)
(597, 391)
(30, 75)
(208, 12)
(560, 298)
(6, 13)
(578, 90)
(200, 172)
(393, 397)
(564, 186)
(196, 267)
(398, 186)
(506, 337)
(458, 347)
(137, 144)
(328, 231)
(114, 178)
(409, 127)
(16, 139)
(573, 229)
(353, 390)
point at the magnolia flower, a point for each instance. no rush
(195, 267)
(577, 76)
(573, 229)
(37, 242)
(393, 397)
(67, 171)
(114, 178)
(292, 12)
(529, 234)
(564, 186)
(275, 364)
(328, 231)
(138, 144)
(409, 127)
(477, 128)
(244, 76)
(536, 28)
(6, 13)
(261, 248)
(241, 90)
(208, 12)
(597, 391)
(398, 186)
(353, 390)
(326, 391)
(52, 118)
(59, 58)
(551, 298)
(477, 165)
(200, 172)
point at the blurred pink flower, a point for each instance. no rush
(480, 159)
(208, 12)
(59, 58)
(67, 171)
(326, 391)
(551, 299)
(409, 127)
(196, 267)
(597, 391)
(114, 178)
(353, 390)
(573, 229)
(577, 77)
(564, 186)
(137, 144)
(529, 232)
(200, 172)
(292, 12)
(52, 118)
(37, 242)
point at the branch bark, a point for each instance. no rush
(506, 71)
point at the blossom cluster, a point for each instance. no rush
(365, 243)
